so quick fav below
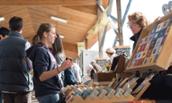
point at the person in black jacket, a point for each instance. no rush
(69, 77)
(15, 79)
(161, 84)
(137, 22)
(3, 35)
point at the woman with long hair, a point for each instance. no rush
(47, 82)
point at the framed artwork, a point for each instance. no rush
(154, 47)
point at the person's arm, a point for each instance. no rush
(41, 64)
(49, 74)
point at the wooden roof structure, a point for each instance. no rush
(81, 15)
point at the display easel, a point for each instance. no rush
(153, 53)
(153, 50)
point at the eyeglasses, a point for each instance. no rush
(132, 24)
(52, 32)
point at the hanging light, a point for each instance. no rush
(60, 20)
(2, 18)
(61, 36)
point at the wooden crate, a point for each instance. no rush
(154, 47)
(104, 76)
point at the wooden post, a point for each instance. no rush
(118, 4)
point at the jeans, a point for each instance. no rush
(51, 98)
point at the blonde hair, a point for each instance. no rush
(138, 18)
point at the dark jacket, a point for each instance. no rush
(161, 86)
(69, 77)
(135, 38)
(42, 61)
(14, 73)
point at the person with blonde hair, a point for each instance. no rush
(137, 22)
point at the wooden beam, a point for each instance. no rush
(102, 35)
(48, 2)
(86, 9)
(118, 5)
(105, 3)
(91, 40)
(29, 2)
(71, 54)
(78, 2)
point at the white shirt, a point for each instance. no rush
(77, 72)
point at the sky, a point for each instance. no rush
(150, 8)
